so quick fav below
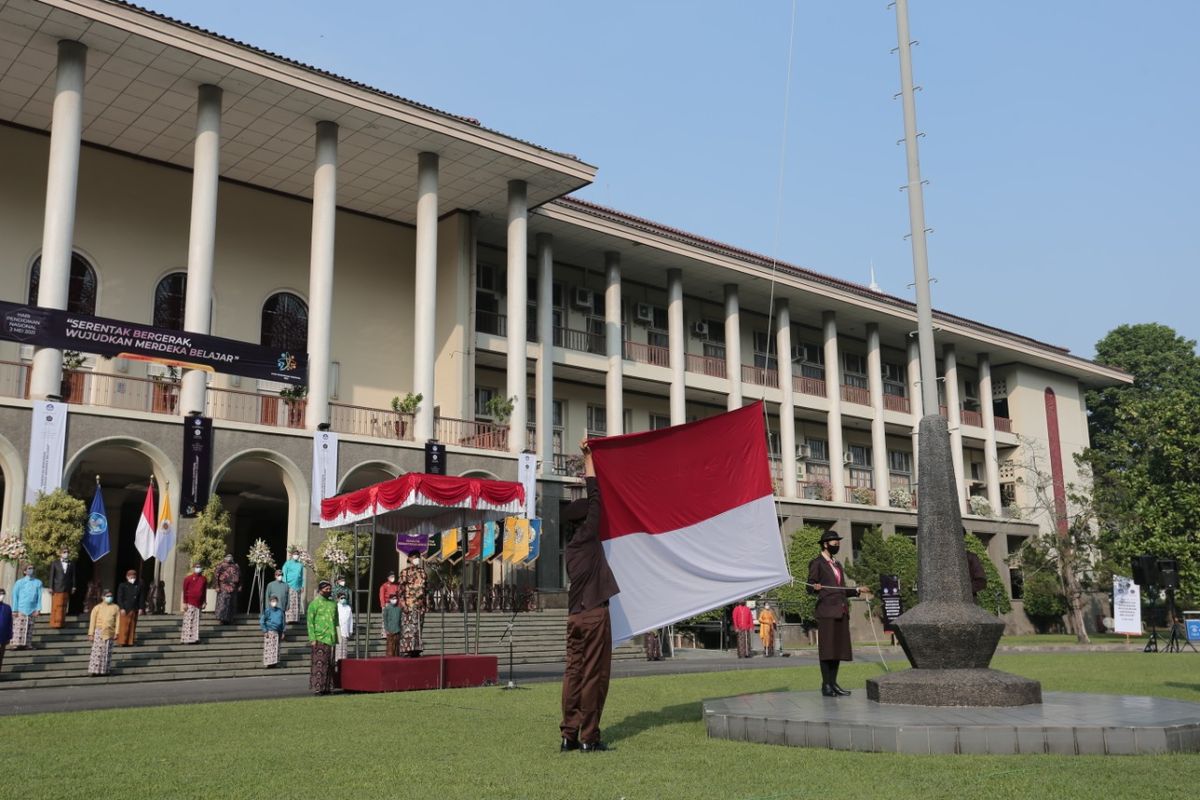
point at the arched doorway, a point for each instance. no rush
(124, 467)
(386, 557)
(267, 498)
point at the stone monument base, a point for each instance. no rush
(953, 687)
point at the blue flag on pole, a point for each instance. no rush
(95, 537)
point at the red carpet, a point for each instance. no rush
(409, 674)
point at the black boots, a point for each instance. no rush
(829, 684)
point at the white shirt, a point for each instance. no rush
(345, 620)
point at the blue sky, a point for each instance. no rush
(1061, 135)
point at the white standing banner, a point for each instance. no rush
(324, 470)
(527, 477)
(47, 445)
(1127, 606)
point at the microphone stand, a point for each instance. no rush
(508, 634)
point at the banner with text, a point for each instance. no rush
(527, 477)
(47, 445)
(197, 465)
(889, 597)
(67, 330)
(324, 470)
(1127, 606)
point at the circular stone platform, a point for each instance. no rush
(1065, 724)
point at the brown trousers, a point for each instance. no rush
(585, 680)
(393, 645)
(58, 608)
(127, 628)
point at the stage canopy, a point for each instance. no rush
(422, 503)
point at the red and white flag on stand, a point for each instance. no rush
(143, 537)
(688, 519)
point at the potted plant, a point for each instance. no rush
(405, 407)
(900, 497)
(293, 397)
(862, 495)
(499, 409)
(819, 490)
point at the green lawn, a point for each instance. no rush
(486, 743)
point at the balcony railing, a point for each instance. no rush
(469, 433)
(705, 365)
(582, 341)
(497, 324)
(257, 409)
(1004, 424)
(378, 423)
(896, 403)
(973, 418)
(856, 394)
(806, 385)
(760, 376)
(647, 354)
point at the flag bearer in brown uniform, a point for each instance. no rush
(827, 580)
(589, 630)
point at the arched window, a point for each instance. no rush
(81, 296)
(169, 300)
(285, 323)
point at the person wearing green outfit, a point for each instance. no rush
(322, 636)
(393, 622)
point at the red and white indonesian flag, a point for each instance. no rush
(143, 537)
(688, 520)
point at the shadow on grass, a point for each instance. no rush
(643, 721)
(1192, 687)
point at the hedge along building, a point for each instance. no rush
(197, 184)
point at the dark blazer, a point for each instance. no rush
(62, 580)
(831, 603)
(592, 582)
(129, 596)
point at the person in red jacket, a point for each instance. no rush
(195, 587)
(743, 624)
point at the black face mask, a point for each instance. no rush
(833, 548)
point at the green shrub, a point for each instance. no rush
(55, 521)
(206, 542)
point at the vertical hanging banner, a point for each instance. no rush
(889, 591)
(509, 539)
(47, 444)
(527, 477)
(535, 541)
(474, 542)
(324, 470)
(521, 541)
(491, 531)
(95, 537)
(197, 465)
(1127, 606)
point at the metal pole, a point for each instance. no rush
(916, 216)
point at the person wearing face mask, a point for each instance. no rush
(62, 586)
(827, 580)
(322, 636)
(293, 575)
(387, 590)
(102, 630)
(272, 623)
(129, 602)
(228, 578)
(340, 590)
(280, 592)
(743, 624)
(345, 625)
(27, 606)
(6, 626)
(393, 624)
(413, 606)
(195, 587)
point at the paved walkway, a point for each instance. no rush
(269, 687)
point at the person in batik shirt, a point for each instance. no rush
(102, 630)
(413, 605)
(322, 636)
(272, 624)
(228, 578)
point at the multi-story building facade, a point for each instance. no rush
(164, 175)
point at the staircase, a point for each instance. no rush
(235, 650)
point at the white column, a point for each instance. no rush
(833, 393)
(320, 275)
(733, 347)
(58, 227)
(202, 236)
(991, 459)
(678, 346)
(614, 397)
(879, 459)
(544, 379)
(517, 310)
(787, 406)
(425, 293)
(954, 417)
(914, 399)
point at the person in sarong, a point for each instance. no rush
(387, 590)
(293, 576)
(413, 605)
(743, 624)
(195, 588)
(102, 630)
(393, 625)
(767, 622)
(27, 606)
(652, 645)
(271, 622)
(345, 626)
(322, 636)
(228, 578)
(129, 602)
(62, 586)
(280, 592)
(6, 625)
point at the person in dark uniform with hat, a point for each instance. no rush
(827, 580)
(589, 630)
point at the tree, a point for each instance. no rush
(794, 598)
(205, 545)
(54, 522)
(895, 555)
(994, 597)
(335, 556)
(1144, 438)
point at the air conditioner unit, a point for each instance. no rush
(798, 352)
(644, 313)
(700, 329)
(584, 298)
(846, 459)
(803, 452)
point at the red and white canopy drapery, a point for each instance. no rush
(426, 503)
